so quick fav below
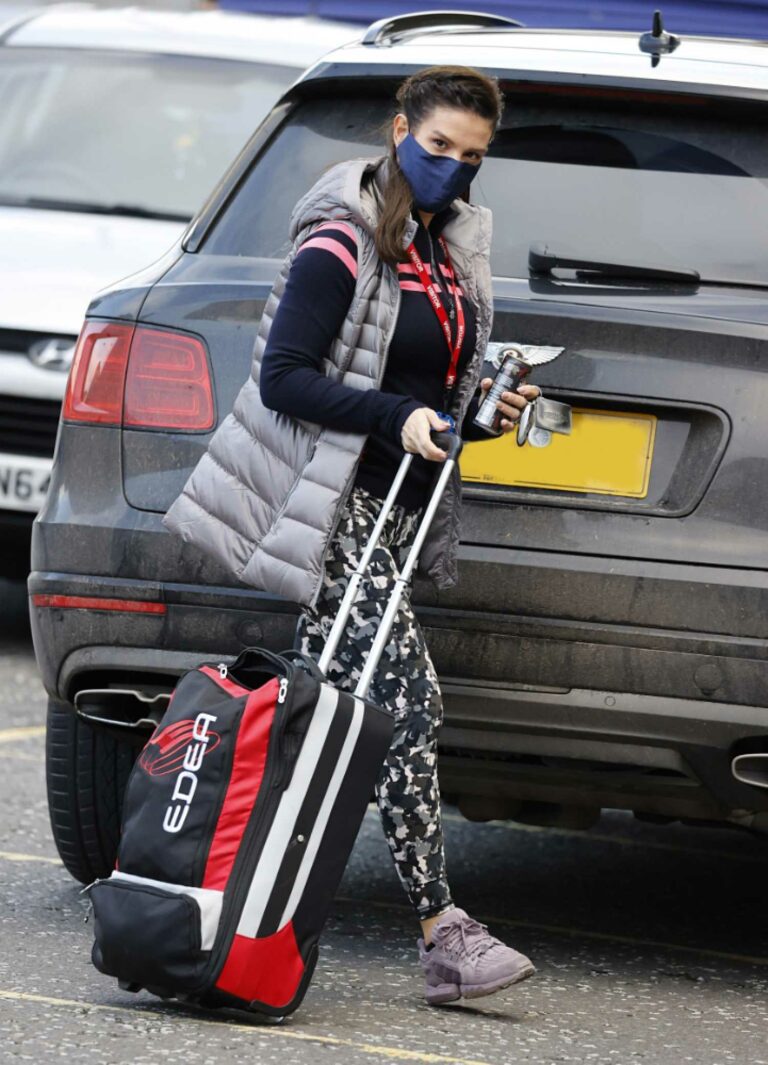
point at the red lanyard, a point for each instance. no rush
(430, 288)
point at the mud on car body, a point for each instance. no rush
(606, 643)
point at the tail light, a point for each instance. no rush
(95, 386)
(139, 377)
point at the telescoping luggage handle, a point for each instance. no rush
(451, 443)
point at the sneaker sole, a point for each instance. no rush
(444, 993)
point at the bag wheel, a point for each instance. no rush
(86, 775)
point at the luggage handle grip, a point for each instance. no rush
(447, 441)
(250, 659)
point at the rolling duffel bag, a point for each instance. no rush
(240, 814)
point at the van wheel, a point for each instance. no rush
(86, 773)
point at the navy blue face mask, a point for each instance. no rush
(435, 180)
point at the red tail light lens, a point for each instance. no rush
(95, 387)
(139, 377)
(168, 385)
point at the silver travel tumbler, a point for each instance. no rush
(511, 373)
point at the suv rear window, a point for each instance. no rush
(635, 182)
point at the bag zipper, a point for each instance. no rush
(88, 888)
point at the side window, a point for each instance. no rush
(317, 135)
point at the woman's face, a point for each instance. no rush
(450, 131)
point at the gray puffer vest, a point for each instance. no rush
(266, 497)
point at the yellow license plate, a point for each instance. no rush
(608, 453)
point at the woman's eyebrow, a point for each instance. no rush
(442, 136)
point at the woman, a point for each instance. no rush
(379, 318)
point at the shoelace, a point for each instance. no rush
(474, 937)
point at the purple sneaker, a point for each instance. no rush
(465, 960)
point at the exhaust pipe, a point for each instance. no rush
(751, 769)
(121, 711)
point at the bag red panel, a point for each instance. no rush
(231, 687)
(244, 784)
(267, 970)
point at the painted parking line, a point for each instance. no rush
(22, 732)
(587, 836)
(9, 754)
(574, 933)
(19, 856)
(224, 1026)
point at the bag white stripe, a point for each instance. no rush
(334, 785)
(288, 809)
(208, 901)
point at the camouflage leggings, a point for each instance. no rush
(407, 790)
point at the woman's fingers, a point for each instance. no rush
(513, 403)
(510, 405)
(415, 434)
(432, 451)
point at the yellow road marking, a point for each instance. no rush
(587, 836)
(578, 933)
(23, 732)
(18, 856)
(22, 756)
(145, 1009)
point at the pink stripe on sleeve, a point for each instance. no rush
(335, 247)
(345, 227)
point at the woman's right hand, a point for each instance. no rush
(415, 435)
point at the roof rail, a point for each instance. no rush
(387, 30)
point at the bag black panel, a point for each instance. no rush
(343, 826)
(307, 815)
(166, 837)
(147, 936)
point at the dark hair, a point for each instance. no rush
(459, 87)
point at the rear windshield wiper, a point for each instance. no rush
(543, 259)
(128, 210)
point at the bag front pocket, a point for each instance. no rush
(153, 935)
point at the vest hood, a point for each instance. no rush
(347, 191)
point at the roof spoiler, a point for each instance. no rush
(387, 30)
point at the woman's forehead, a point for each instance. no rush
(456, 122)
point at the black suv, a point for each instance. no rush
(606, 645)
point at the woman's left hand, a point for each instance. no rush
(511, 404)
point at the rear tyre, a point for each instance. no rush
(86, 773)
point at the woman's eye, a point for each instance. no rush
(438, 142)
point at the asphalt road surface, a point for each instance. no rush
(651, 944)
